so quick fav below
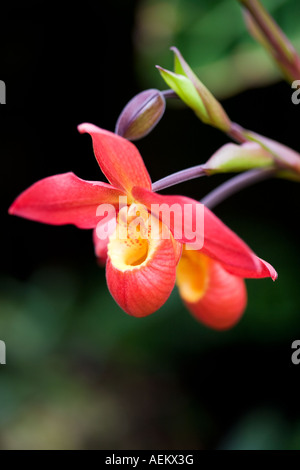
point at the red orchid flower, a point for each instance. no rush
(141, 270)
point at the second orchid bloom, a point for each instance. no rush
(156, 252)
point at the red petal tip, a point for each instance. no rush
(119, 159)
(269, 270)
(11, 210)
(87, 127)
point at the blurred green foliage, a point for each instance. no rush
(81, 373)
(213, 38)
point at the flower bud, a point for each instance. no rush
(194, 94)
(235, 158)
(141, 115)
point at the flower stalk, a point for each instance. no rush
(234, 185)
(179, 177)
(267, 32)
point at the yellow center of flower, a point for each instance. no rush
(132, 245)
(126, 254)
(192, 275)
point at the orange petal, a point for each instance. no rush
(141, 273)
(213, 296)
(177, 250)
(118, 158)
(219, 242)
(65, 199)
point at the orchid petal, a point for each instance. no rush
(141, 273)
(177, 250)
(213, 296)
(101, 236)
(118, 158)
(219, 242)
(65, 199)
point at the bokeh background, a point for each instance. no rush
(80, 373)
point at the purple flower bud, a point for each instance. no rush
(141, 115)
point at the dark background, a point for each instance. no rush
(80, 373)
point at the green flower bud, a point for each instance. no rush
(235, 158)
(192, 92)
